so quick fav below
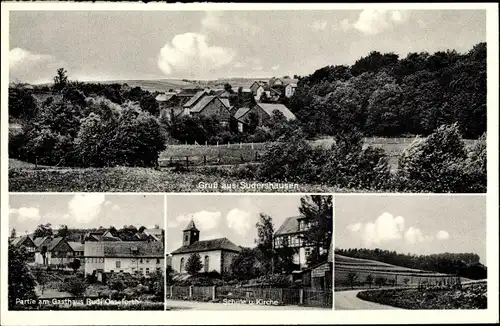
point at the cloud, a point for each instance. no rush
(25, 213)
(442, 235)
(228, 24)
(27, 66)
(355, 227)
(86, 207)
(276, 67)
(372, 22)
(204, 220)
(190, 53)
(385, 228)
(319, 25)
(115, 208)
(414, 235)
(239, 65)
(239, 221)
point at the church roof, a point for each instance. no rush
(208, 245)
(191, 227)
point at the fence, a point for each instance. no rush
(305, 297)
(201, 160)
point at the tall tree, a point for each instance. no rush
(13, 233)
(63, 231)
(43, 230)
(317, 211)
(61, 79)
(193, 264)
(21, 280)
(264, 241)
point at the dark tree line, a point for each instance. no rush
(462, 264)
(384, 95)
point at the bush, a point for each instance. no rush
(435, 163)
(476, 166)
(74, 285)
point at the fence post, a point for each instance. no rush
(240, 144)
(171, 291)
(228, 144)
(204, 159)
(190, 291)
(213, 292)
(217, 144)
(187, 161)
(206, 143)
(301, 296)
(252, 145)
(256, 156)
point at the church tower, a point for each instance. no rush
(190, 234)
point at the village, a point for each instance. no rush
(261, 99)
(286, 267)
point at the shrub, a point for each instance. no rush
(74, 285)
(435, 163)
(476, 166)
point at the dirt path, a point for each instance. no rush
(196, 305)
(347, 300)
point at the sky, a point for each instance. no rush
(117, 45)
(412, 224)
(230, 216)
(26, 212)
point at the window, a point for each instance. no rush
(206, 265)
(181, 267)
(147, 271)
(111, 271)
(147, 261)
(157, 260)
(121, 270)
(186, 238)
(118, 264)
(141, 261)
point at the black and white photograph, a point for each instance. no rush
(249, 252)
(410, 252)
(305, 101)
(86, 252)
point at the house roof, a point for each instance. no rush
(193, 100)
(225, 101)
(241, 112)
(132, 249)
(208, 245)
(153, 231)
(269, 108)
(76, 246)
(20, 240)
(164, 97)
(191, 227)
(291, 225)
(103, 238)
(40, 240)
(204, 102)
(53, 243)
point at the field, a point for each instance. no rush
(394, 275)
(470, 296)
(126, 179)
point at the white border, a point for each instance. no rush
(266, 317)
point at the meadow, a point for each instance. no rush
(394, 275)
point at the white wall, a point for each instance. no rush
(132, 265)
(214, 260)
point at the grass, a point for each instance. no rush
(364, 267)
(126, 179)
(473, 296)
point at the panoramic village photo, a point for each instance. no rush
(247, 101)
(86, 252)
(410, 252)
(249, 252)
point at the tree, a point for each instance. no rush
(317, 211)
(228, 88)
(13, 233)
(61, 79)
(380, 280)
(21, 282)
(243, 266)
(351, 279)
(264, 241)
(193, 264)
(75, 264)
(76, 286)
(157, 284)
(22, 104)
(284, 257)
(43, 230)
(63, 231)
(369, 280)
(141, 229)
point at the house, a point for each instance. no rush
(56, 251)
(212, 105)
(255, 85)
(241, 118)
(290, 89)
(275, 82)
(290, 234)
(134, 257)
(319, 276)
(27, 243)
(216, 254)
(100, 235)
(265, 111)
(156, 233)
(167, 100)
(193, 101)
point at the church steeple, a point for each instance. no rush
(190, 234)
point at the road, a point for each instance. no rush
(197, 305)
(347, 300)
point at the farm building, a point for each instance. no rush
(56, 251)
(212, 105)
(216, 254)
(125, 256)
(27, 243)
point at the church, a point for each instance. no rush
(216, 254)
